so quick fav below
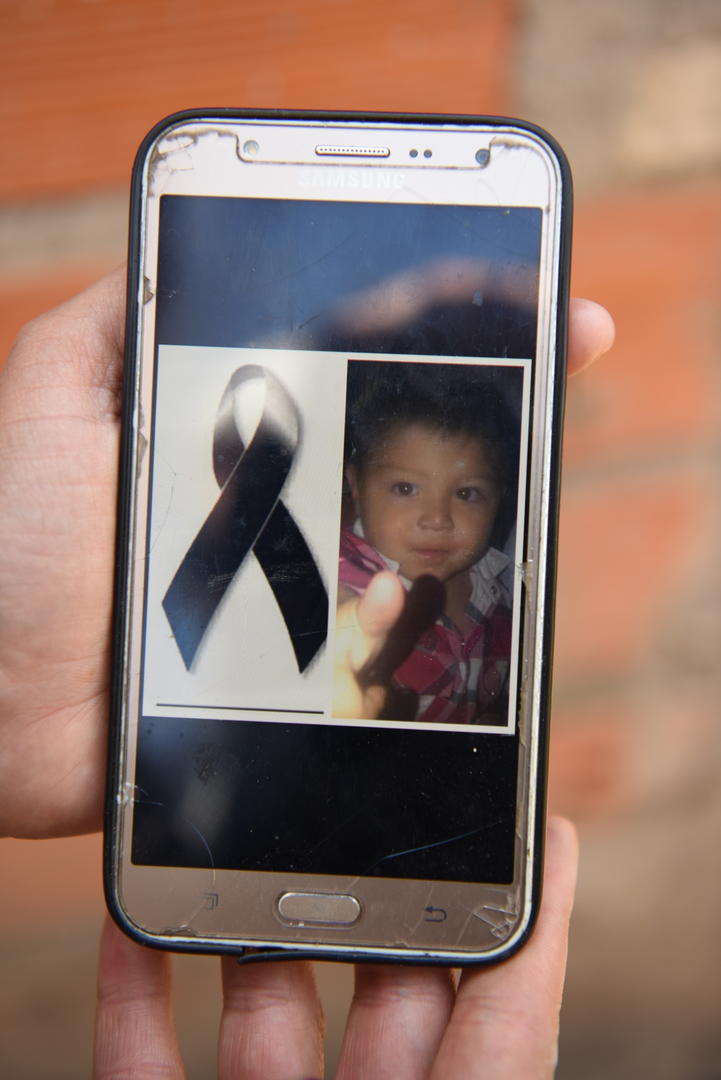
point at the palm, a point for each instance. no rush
(58, 460)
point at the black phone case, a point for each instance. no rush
(112, 802)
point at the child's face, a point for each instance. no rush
(427, 500)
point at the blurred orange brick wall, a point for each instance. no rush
(81, 83)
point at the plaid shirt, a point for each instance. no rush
(459, 673)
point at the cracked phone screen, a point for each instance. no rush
(297, 345)
(334, 390)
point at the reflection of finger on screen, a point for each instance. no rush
(423, 604)
(381, 604)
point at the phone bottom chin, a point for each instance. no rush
(270, 913)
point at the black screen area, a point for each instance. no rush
(310, 799)
(328, 798)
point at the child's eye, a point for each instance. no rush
(404, 488)
(470, 494)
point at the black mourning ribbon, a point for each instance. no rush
(250, 516)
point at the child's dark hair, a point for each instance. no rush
(453, 399)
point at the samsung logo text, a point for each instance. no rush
(340, 179)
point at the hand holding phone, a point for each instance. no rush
(368, 326)
(500, 1022)
(52, 775)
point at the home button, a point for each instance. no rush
(318, 909)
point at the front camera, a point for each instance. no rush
(483, 157)
(250, 148)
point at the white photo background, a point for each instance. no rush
(245, 660)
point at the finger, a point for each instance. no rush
(591, 333)
(377, 610)
(134, 1030)
(505, 1022)
(272, 1022)
(396, 1022)
(381, 604)
(362, 624)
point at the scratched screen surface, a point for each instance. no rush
(261, 306)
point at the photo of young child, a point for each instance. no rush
(431, 469)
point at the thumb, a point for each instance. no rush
(380, 605)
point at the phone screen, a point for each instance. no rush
(336, 386)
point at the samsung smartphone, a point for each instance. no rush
(345, 359)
